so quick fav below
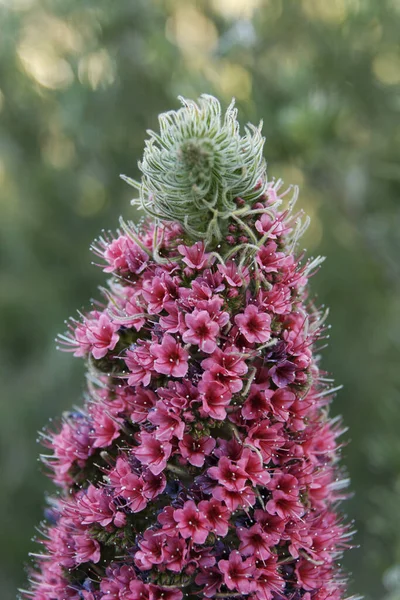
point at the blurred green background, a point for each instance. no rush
(80, 82)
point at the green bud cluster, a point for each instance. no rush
(197, 165)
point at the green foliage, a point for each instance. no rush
(80, 83)
(198, 163)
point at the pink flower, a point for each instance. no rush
(168, 423)
(174, 321)
(309, 575)
(154, 485)
(140, 364)
(157, 291)
(106, 428)
(175, 554)
(179, 394)
(252, 465)
(171, 358)
(233, 499)
(217, 515)
(234, 275)
(102, 336)
(61, 542)
(266, 437)
(121, 469)
(325, 534)
(283, 373)
(297, 533)
(280, 402)
(253, 542)
(286, 507)
(72, 445)
(139, 590)
(237, 573)
(196, 450)
(254, 325)
(86, 548)
(94, 506)
(267, 224)
(272, 526)
(132, 489)
(201, 331)
(212, 580)
(117, 581)
(200, 290)
(231, 476)
(284, 483)
(320, 489)
(291, 275)
(78, 343)
(194, 256)
(268, 579)
(214, 308)
(201, 558)
(166, 519)
(226, 367)
(212, 280)
(277, 300)
(151, 550)
(153, 452)
(124, 255)
(231, 449)
(215, 398)
(257, 405)
(191, 522)
(269, 259)
(140, 403)
(131, 313)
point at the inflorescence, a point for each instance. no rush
(204, 463)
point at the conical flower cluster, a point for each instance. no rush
(203, 463)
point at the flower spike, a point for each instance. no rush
(204, 463)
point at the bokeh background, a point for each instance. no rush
(80, 82)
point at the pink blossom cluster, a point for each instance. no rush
(204, 463)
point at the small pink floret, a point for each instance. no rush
(254, 325)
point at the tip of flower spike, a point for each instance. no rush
(197, 165)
